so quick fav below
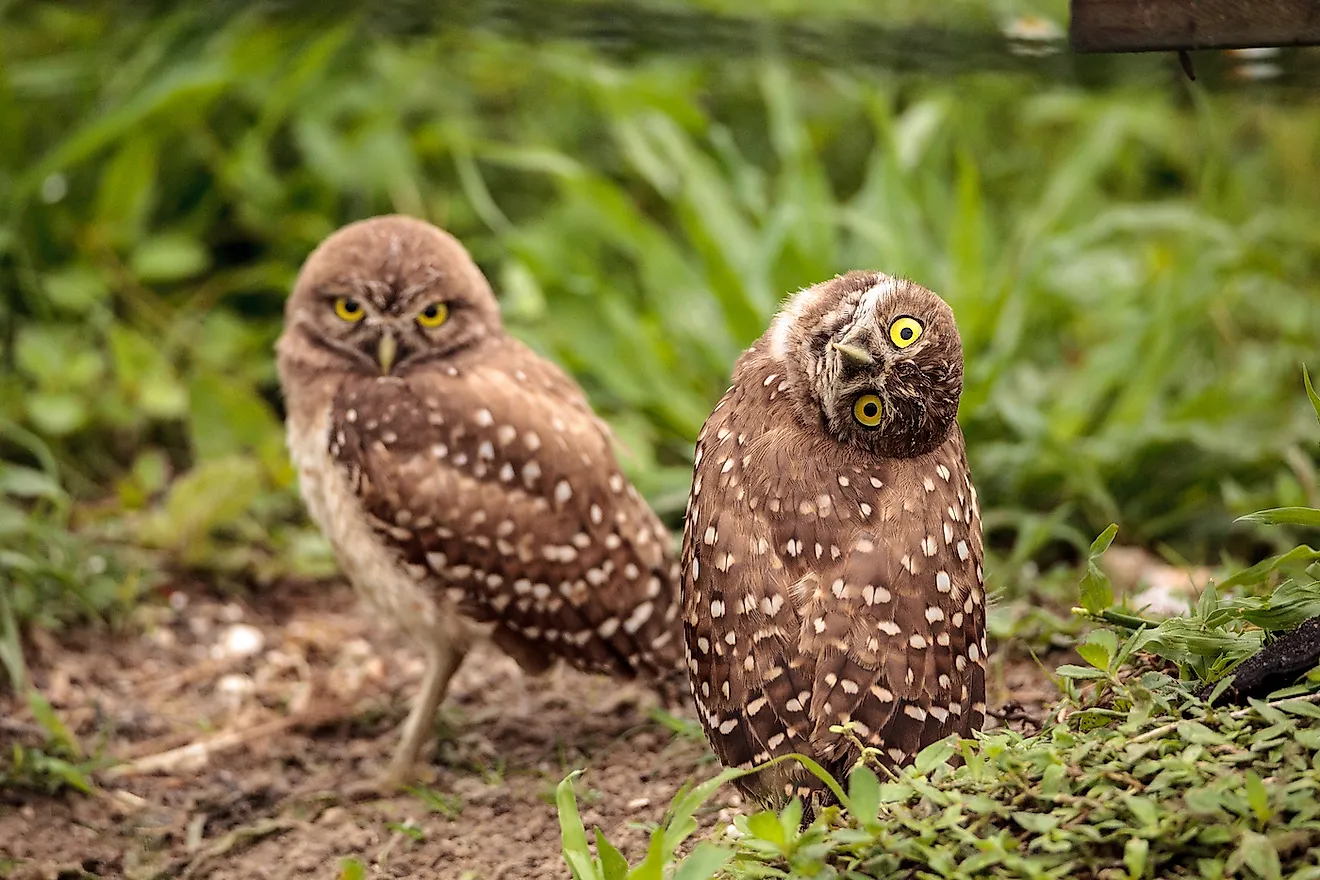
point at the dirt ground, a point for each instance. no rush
(236, 726)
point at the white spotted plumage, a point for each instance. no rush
(825, 577)
(463, 481)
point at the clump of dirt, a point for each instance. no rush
(241, 728)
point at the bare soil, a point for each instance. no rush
(235, 730)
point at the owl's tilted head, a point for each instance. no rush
(386, 295)
(876, 360)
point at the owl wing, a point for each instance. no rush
(494, 481)
(895, 626)
(741, 622)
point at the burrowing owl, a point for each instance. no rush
(463, 481)
(832, 551)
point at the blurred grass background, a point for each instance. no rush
(1134, 268)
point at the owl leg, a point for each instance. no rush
(443, 657)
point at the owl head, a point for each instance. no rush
(876, 360)
(383, 296)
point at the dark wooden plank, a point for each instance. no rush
(1162, 25)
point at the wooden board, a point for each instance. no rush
(1161, 25)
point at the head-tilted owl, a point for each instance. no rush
(463, 481)
(832, 549)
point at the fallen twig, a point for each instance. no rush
(240, 836)
(1158, 732)
(196, 754)
(13, 725)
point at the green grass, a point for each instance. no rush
(1106, 254)
(1141, 798)
(51, 760)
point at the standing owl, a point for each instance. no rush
(463, 481)
(832, 549)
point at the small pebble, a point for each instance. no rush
(333, 816)
(235, 687)
(239, 640)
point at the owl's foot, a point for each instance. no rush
(395, 778)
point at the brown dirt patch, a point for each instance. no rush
(309, 691)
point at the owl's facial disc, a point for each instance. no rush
(384, 296)
(381, 328)
(887, 371)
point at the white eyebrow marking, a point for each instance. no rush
(885, 287)
(783, 325)
(433, 275)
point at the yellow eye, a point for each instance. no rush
(349, 309)
(867, 410)
(433, 315)
(904, 331)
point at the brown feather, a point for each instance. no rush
(826, 579)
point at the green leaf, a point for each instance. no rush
(1310, 392)
(657, 856)
(1203, 801)
(1102, 541)
(1258, 798)
(1099, 648)
(169, 258)
(1295, 516)
(1135, 642)
(146, 374)
(51, 723)
(126, 188)
(1096, 592)
(613, 865)
(685, 804)
(702, 863)
(67, 773)
(1135, 853)
(1257, 853)
(864, 793)
(75, 289)
(23, 482)
(934, 755)
(210, 495)
(1308, 738)
(790, 820)
(1143, 809)
(1304, 708)
(1069, 670)
(11, 645)
(764, 825)
(1036, 823)
(227, 417)
(572, 833)
(1095, 655)
(56, 413)
(352, 869)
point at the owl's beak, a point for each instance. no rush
(386, 352)
(852, 352)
